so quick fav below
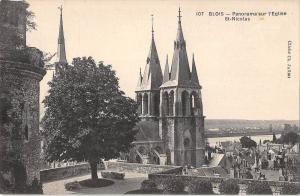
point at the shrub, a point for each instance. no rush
(173, 186)
(201, 187)
(229, 186)
(264, 164)
(113, 175)
(148, 185)
(101, 182)
(290, 189)
(72, 186)
(259, 187)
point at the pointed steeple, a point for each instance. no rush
(61, 51)
(179, 31)
(180, 70)
(194, 75)
(166, 72)
(152, 77)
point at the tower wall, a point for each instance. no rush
(183, 130)
(21, 80)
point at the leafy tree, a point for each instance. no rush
(247, 142)
(289, 138)
(87, 116)
(229, 186)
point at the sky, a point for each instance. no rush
(242, 65)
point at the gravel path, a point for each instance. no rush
(132, 181)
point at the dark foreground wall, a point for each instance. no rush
(65, 172)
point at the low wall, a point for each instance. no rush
(161, 178)
(142, 168)
(65, 172)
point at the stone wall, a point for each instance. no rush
(161, 177)
(21, 83)
(65, 172)
(140, 168)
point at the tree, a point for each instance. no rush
(289, 138)
(247, 142)
(87, 116)
(229, 186)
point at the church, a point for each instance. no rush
(171, 130)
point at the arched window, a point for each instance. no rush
(184, 101)
(145, 104)
(156, 104)
(142, 150)
(139, 102)
(193, 102)
(186, 142)
(171, 103)
(166, 103)
(26, 134)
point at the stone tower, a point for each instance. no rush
(21, 70)
(170, 106)
(147, 90)
(181, 124)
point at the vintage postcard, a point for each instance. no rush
(149, 97)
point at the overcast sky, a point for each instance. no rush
(242, 66)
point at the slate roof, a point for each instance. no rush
(147, 131)
(180, 74)
(152, 77)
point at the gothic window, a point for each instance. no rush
(142, 150)
(145, 104)
(184, 100)
(171, 103)
(165, 103)
(186, 143)
(26, 134)
(193, 102)
(156, 104)
(139, 101)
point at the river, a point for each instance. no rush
(256, 138)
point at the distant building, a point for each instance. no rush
(170, 106)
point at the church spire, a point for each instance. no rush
(180, 70)
(152, 77)
(61, 51)
(194, 75)
(179, 31)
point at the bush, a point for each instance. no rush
(229, 186)
(96, 183)
(201, 187)
(72, 186)
(113, 175)
(290, 189)
(148, 185)
(259, 187)
(173, 186)
(264, 164)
